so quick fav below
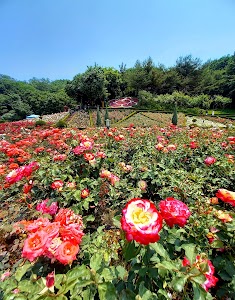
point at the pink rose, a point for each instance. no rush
(210, 160)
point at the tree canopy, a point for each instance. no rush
(215, 78)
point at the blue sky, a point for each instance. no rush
(58, 39)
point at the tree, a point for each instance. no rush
(98, 118)
(89, 87)
(137, 79)
(113, 82)
(106, 116)
(189, 70)
(42, 84)
(93, 85)
(123, 82)
(73, 88)
(174, 117)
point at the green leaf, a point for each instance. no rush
(225, 276)
(22, 270)
(143, 271)
(217, 244)
(167, 266)
(116, 221)
(144, 293)
(89, 218)
(107, 274)
(96, 261)
(200, 279)
(130, 250)
(77, 195)
(18, 297)
(127, 295)
(200, 293)
(121, 272)
(82, 283)
(78, 272)
(107, 291)
(164, 293)
(189, 252)
(178, 283)
(230, 268)
(159, 249)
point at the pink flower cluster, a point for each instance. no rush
(210, 160)
(200, 264)
(108, 175)
(45, 209)
(58, 240)
(85, 145)
(19, 173)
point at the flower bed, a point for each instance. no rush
(123, 102)
(114, 115)
(53, 118)
(124, 213)
(162, 118)
(79, 119)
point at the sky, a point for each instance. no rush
(58, 39)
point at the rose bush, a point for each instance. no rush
(132, 203)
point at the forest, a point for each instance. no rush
(189, 83)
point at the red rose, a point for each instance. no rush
(57, 185)
(199, 264)
(193, 145)
(72, 233)
(85, 193)
(141, 221)
(174, 212)
(50, 279)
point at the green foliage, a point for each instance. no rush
(184, 102)
(89, 87)
(147, 101)
(61, 124)
(113, 82)
(40, 96)
(175, 117)
(98, 117)
(106, 116)
(40, 123)
(189, 83)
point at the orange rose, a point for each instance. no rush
(66, 253)
(226, 196)
(223, 216)
(72, 233)
(34, 245)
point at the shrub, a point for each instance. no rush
(147, 100)
(174, 117)
(98, 117)
(61, 124)
(40, 123)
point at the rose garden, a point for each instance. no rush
(117, 213)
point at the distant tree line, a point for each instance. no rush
(189, 83)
